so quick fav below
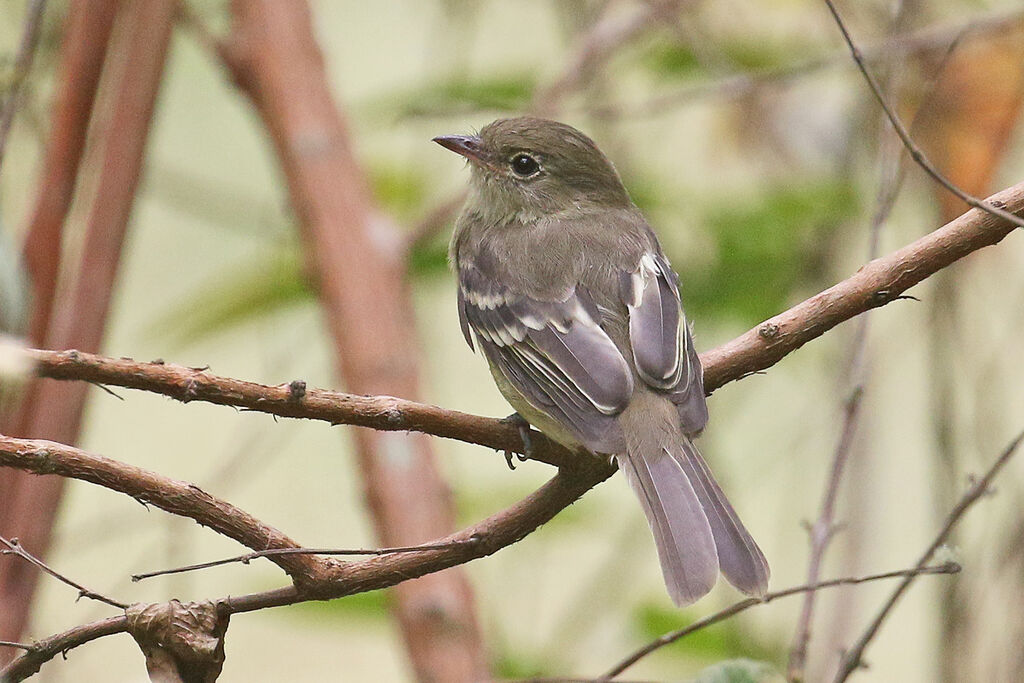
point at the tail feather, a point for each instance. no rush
(741, 561)
(682, 533)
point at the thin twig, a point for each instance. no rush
(14, 548)
(596, 46)
(743, 605)
(915, 152)
(341, 579)
(274, 552)
(107, 390)
(823, 529)
(740, 84)
(853, 657)
(22, 66)
(11, 643)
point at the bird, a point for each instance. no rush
(565, 290)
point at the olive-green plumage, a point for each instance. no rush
(565, 290)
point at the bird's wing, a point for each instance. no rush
(662, 345)
(553, 352)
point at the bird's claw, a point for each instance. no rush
(524, 434)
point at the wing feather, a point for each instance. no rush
(662, 344)
(555, 353)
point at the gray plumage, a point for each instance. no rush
(565, 290)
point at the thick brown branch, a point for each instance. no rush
(875, 284)
(353, 252)
(149, 488)
(383, 413)
(340, 579)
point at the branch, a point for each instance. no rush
(743, 605)
(480, 540)
(79, 315)
(737, 85)
(824, 528)
(383, 413)
(176, 497)
(42, 651)
(876, 283)
(14, 548)
(274, 552)
(915, 152)
(355, 255)
(11, 643)
(854, 656)
(82, 53)
(597, 46)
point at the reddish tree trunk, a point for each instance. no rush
(358, 258)
(83, 50)
(54, 411)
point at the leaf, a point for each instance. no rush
(508, 666)
(764, 53)
(740, 671)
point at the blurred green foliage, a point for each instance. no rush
(271, 282)
(740, 671)
(13, 292)
(767, 247)
(372, 606)
(669, 59)
(403, 192)
(515, 666)
(459, 94)
(728, 639)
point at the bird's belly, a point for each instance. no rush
(551, 427)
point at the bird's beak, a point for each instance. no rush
(466, 145)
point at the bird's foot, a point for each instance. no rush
(524, 434)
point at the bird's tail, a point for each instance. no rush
(696, 530)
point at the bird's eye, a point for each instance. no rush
(524, 165)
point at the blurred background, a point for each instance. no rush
(744, 132)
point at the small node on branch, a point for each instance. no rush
(768, 331)
(296, 390)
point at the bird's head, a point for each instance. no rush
(527, 168)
